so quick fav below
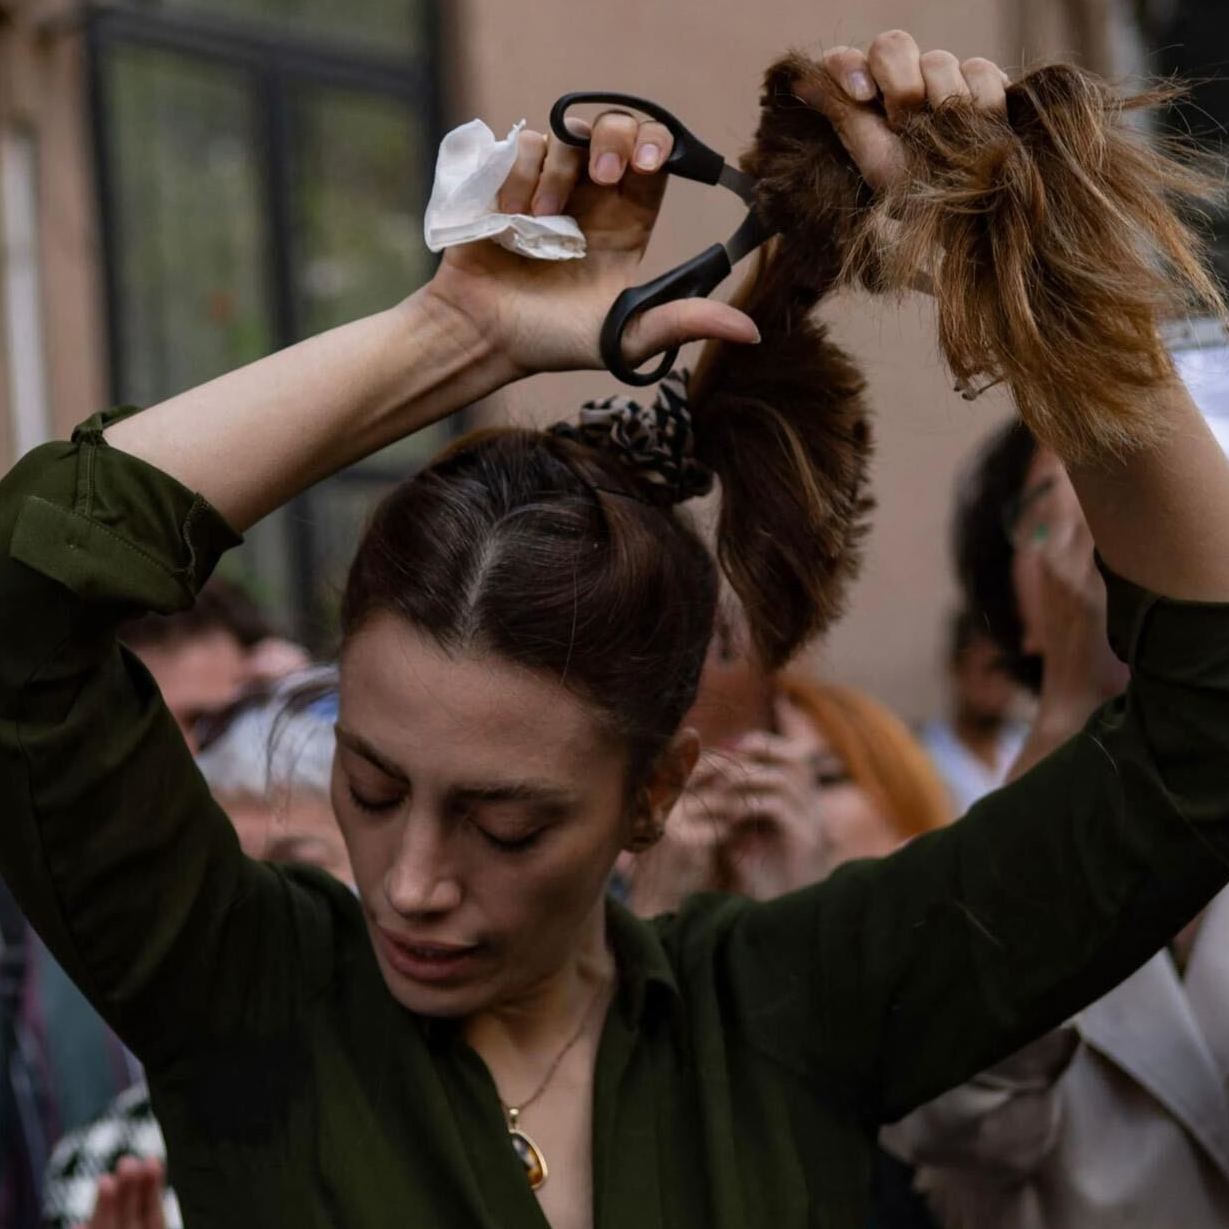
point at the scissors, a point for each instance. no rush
(694, 278)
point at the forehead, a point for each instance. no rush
(462, 715)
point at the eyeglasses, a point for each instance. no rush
(1027, 518)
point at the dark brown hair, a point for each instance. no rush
(551, 554)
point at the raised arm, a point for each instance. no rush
(1159, 513)
(931, 965)
(256, 437)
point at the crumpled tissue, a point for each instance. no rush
(469, 171)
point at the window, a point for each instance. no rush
(263, 169)
(23, 301)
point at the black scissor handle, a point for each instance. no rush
(690, 158)
(700, 276)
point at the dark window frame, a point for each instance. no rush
(277, 64)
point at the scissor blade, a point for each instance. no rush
(753, 232)
(738, 182)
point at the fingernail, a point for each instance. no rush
(860, 86)
(608, 168)
(545, 204)
(759, 337)
(647, 157)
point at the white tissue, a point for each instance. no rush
(469, 171)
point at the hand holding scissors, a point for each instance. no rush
(689, 158)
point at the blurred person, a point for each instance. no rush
(1121, 1116)
(524, 626)
(268, 761)
(60, 1064)
(203, 658)
(975, 745)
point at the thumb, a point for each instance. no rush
(684, 320)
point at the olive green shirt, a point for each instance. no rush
(752, 1049)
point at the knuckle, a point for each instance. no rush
(617, 124)
(892, 41)
(979, 65)
(938, 60)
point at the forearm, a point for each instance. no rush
(1160, 517)
(253, 439)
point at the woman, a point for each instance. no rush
(524, 628)
(879, 788)
(838, 777)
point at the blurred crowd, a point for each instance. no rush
(1121, 1112)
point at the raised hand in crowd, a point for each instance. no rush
(130, 1198)
(1062, 604)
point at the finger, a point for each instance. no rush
(653, 145)
(943, 78)
(792, 722)
(848, 67)
(782, 750)
(874, 147)
(518, 189)
(129, 1175)
(987, 83)
(675, 324)
(561, 169)
(611, 146)
(896, 65)
(149, 1210)
(106, 1204)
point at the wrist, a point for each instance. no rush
(457, 340)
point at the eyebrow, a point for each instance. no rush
(360, 746)
(502, 791)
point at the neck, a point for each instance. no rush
(543, 1015)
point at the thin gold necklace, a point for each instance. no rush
(530, 1154)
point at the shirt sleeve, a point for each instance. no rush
(897, 979)
(109, 838)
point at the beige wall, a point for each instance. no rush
(703, 58)
(43, 88)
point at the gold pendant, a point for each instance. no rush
(529, 1152)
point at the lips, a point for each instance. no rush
(427, 962)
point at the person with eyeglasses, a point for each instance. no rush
(1120, 1116)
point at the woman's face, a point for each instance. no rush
(855, 826)
(1047, 501)
(483, 806)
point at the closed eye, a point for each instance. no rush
(374, 806)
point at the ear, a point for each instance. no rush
(669, 775)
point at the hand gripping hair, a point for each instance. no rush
(1051, 236)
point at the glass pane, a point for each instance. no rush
(361, 174)
(361, 166)
(191, 237)
(385, 25)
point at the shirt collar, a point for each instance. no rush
(647, 983)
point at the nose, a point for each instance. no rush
(420, 880)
